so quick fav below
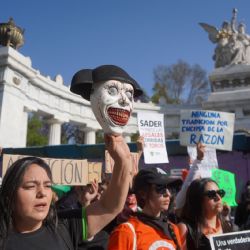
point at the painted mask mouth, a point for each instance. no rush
(119, 116)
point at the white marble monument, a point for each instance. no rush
(23, 89)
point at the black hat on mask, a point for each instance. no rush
(83, 80)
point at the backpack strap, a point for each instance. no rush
(134, 234)
(173, 236)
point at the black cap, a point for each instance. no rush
(151, 175)
(83, 80)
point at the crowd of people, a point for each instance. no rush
(148, 209)
(152, 211)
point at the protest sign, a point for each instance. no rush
(212, 128)
(231, 241)
(109, 162)
(151, 127)
(226, 181)
(209, 161)
(192, 153)
(65, 171)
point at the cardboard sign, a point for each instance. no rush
(151, 127)
(212, 128)
(65, 171)
(226, 181)
(231, 241)
(109, 163)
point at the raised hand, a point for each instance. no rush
(117, 148)
(87, 194)
(200, 151)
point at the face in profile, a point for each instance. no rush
(33, 198)
(112, 103)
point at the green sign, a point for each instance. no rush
(226, 181)
(61, 189)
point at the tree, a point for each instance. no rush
(198, 82)
(72, 133)
(161, 92)
(37, 131)
(179, 83)
(75, 133)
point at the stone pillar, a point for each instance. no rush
(55, 131)
(127, 137)
(24, 127)
(89, 135)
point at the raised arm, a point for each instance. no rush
(140, 146)
(193, 174)
(101, 212)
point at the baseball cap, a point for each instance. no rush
(152, 175)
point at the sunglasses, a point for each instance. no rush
(212, 194)
(161, 189)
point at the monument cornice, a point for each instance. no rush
(230, 77)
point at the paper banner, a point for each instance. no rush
(151, 127)
(212, 128)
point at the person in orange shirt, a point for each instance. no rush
(148, 229)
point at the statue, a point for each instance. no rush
(245, 40)
(233, 44)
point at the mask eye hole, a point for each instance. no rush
(129, 94)
(113, 90)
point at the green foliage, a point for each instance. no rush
(64, 139)
(134, 137)
(99, 136)
(37, 135)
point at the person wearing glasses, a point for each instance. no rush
(200, 215)
(148, 229)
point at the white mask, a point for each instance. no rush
(112, 103)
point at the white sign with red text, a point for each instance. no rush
(151, 127)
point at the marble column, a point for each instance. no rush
(55, 132)
(24, 127)
(89, 136)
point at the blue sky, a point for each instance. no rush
(62, 37)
